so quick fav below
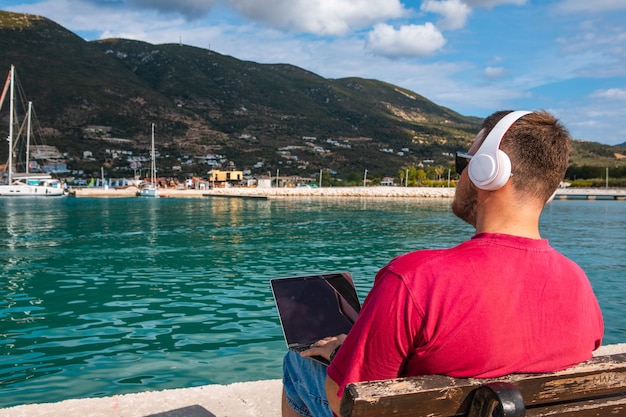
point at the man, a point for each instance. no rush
(501, 302)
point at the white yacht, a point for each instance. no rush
(151, 189)
(24, 184)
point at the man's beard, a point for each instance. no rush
(464, 204)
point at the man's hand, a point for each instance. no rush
(324, 347)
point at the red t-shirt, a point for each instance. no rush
(494, 305)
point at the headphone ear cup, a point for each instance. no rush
(488, 174)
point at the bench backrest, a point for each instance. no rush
(593, 388)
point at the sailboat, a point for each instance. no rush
(24, 184)
(151, 189)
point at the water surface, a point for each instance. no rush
(109, 296)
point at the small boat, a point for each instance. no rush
(151, 189)
(24, 184)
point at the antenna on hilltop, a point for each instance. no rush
(180, 41)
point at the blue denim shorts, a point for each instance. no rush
(304, 382)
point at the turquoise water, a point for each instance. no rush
(109, 296)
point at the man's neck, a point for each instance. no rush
(501, 212)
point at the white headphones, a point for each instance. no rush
(490, 168)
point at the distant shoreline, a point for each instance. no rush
(379, 191)
(334, 192)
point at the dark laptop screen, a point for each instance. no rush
(316, 306)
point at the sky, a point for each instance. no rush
(472, 56)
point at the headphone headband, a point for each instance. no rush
(490, 168)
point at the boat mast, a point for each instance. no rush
(30, 106)
(11, 110)
(153, 160)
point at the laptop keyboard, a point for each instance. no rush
(300, 348)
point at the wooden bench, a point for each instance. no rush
(594, 388)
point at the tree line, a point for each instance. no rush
(446, 176)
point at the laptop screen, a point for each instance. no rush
(313, 307)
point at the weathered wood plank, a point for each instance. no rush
(591, 408)
(441, 396)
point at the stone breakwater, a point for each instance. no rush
(361, 192)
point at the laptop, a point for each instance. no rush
(312, 307)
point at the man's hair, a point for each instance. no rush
(538, 146)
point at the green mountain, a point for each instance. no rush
(103, 96)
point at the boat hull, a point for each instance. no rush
(149, 192)
(30, 191)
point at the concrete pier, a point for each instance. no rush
(245, 399)
(590, 194)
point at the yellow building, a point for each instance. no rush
(215, 175)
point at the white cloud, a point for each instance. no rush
(408, 41)
(321, 17)
(494, 3)
(192, 9)
(591, 37)
(454, 12)
(598, 118)
(577, 6)
(494, 72)
(596, 52)
(596, 123)
(89, 16)
(610, 94)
